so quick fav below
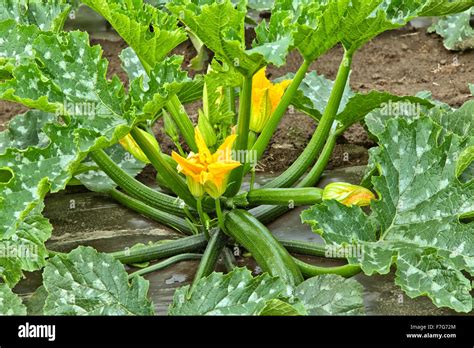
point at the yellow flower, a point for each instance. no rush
(129, 144)
(265, 98)
(348, 194)
(205, 171)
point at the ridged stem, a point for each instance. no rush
(319, 138)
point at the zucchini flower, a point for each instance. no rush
(129, 144)
(206, 172)
(265, 98)
(348, 194)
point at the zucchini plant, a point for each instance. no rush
(85, 128)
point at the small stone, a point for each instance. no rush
(404, 47)
(443, 61)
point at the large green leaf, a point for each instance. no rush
(151, 33)
(235, 293)
(47, 15)
(221, 27)
(415, 224)
(445, 7)
(317, 25)
(186, 89)
(456, 30)
(330, 294)
(24, 251)
(25, 130)
(238, 293)
(16, 41)
(315, 90)
(67, 76)
(10, 303)
(86, 282)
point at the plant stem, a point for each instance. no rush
(210, 257)
(168, 219)
(319, 138)
(252, 178)
(220, 216)
(229, 259)
(160, 265)
(135, 188)
(157, 159)
(203, 217)
(230, 91)
(309, 271)
(251, 141)
(243, 122)
(269, 129)
(304, 248)
(161, 251)
(315, 173)
(182, 120)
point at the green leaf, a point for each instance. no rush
(47, 15)
(471, 88)
(221, 27)
(151, 33)
(415, 223)
(313, 96)
(235, 293)
(277, 307)
(67, 77)
(25, 130)
(165, 80)
(330, 294)
(86, 282)
(186, 89)
(19, 38)
(215, 99)
(368, 18)
(10, 303)
(445, 7)
(456, 30)
(24, 251)
(317, 25)
(35, 303)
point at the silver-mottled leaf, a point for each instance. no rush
(416, 219)
(86, 282)
(235, 293)
(10, 303)
(330, 294)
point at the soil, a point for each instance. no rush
(402, 62)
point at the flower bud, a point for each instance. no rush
(129, 144)
(348, 194)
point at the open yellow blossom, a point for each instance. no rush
(348, 194)
(206, 172)
(265, 98)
